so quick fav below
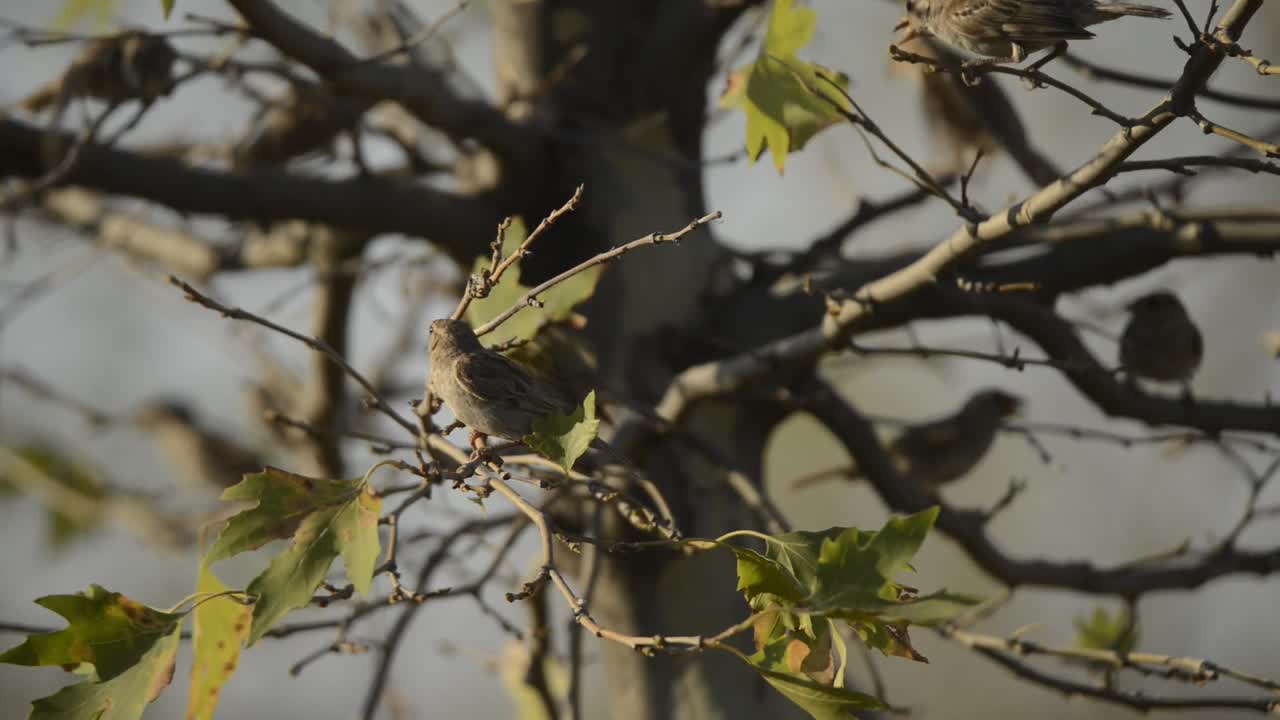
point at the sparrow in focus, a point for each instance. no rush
(1010, 30)
(1160, 342)
(944, 450)
(486, 391)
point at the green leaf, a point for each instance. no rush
(324, 518)
(842, 656)
(167, 6)
(786, 100)
(357, 528)
(930, 610)
(761, 579)
(847, 574)
(281, 501)
(856, 569)
(105, 629)
(123, 697)
(1102, 631)
(563, 439)
(803, 669)
(891, 638)
(292, 577)
(557, 303)
(219, 626)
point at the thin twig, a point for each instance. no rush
(550, 573)
(1092, 70)
(419, 37)
(591, 572)
(1034, 76)
(1193, 670)
(1208, 127)
(531, 298)
(316, 344)
(480, 286)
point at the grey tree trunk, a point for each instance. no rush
(632, 114)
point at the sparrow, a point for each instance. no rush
(1010, 30)
(305, 119)
(935, 453)
(487, 392)
(967, 118)
(132, 65)
(1160, 341)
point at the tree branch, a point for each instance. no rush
(968, 527)
(432, 102)
(458, 224)
(717, 378)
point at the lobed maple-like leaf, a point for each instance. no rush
(786, 100)
(123, 697)
(805, 585)
(104, 629)
(322, 518)
(563, 439)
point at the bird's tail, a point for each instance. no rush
(1116, 9)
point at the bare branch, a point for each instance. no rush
(716, 378)
(531, 298)
(1006, 651)
(432, 102)
(316, 344)
(453, 222)
(968, 527)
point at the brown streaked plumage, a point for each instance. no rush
(1010, 30)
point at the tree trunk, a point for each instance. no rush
(628, 121)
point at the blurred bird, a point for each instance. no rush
(303, 120)
(203, 457)
(965, 119)
(487, 392)
(1009, 30)
(938, 452)
(1160, 342)
(132, 65)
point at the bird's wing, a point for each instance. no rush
(1196, 341)
(923, 441)
(492, 378)
(1022, 21)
